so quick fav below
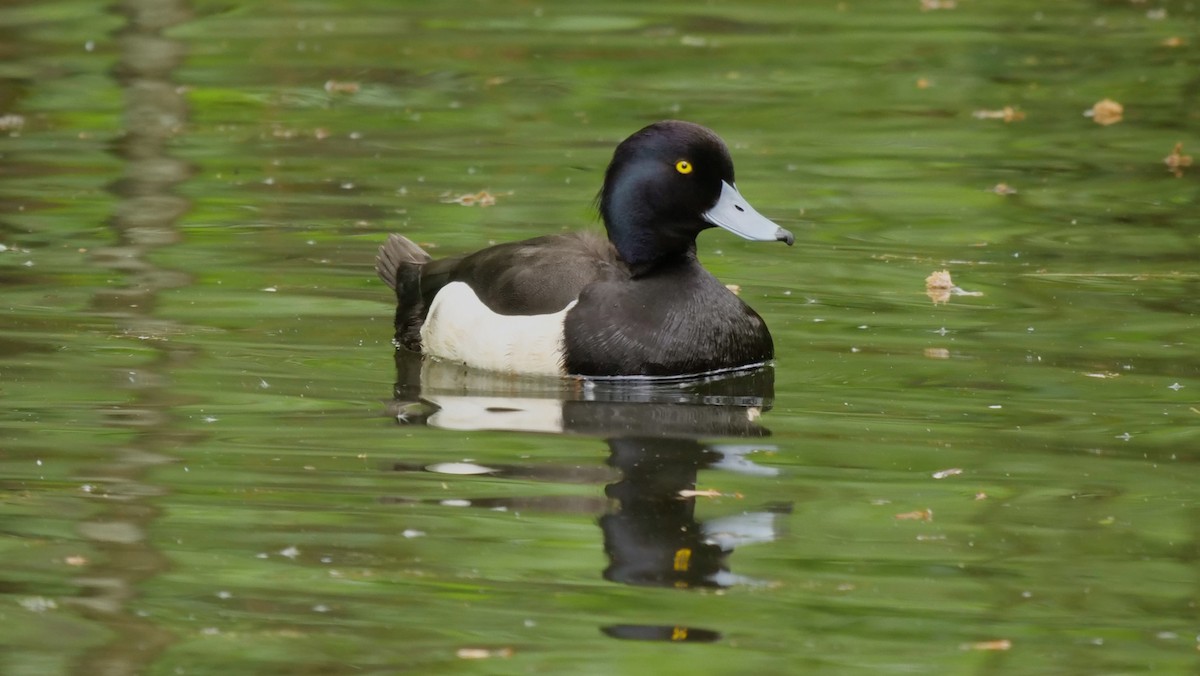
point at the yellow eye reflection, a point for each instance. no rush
(683, 167)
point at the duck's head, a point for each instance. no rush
(668, 182)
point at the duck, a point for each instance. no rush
(636, 303)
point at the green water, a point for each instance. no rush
(202, 467)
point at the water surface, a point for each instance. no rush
(211, 462)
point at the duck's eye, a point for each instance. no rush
(683, 167)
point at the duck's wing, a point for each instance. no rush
(535, 276)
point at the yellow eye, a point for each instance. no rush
(683, 167)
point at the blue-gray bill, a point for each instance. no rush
(735, 214)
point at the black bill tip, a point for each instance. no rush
(784, 236)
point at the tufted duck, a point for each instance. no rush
(636, 304)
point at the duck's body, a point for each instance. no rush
(638, 304)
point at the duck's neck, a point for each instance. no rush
(642, 237)
(647, 266)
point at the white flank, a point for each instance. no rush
(461, 328)
(513, 414)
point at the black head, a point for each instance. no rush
(661, 190)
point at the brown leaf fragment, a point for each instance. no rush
(1000, 644)
(939, 279)
(1007, 113)
(937, 352)
(939, 287)
(482, 653)
(917, 515)
(707, 493)
(336, 87)
(924, 83)
(482, 198)
(1106, 112)
(1176, 161)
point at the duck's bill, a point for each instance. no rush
(735, 214)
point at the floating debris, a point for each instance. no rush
(918, 515)
(38, 604)
(1105, 112)
(1001, 644)
(482, 198)
(953, 471)
(939, 287)
(1003, 189)
(459, 468)
(931, 5)
(1007, 113)
(11, 122)
(1176, 161)
(336, 87)
(482, 653)
(937, 353)
(924, 83)
(1173, 41)
(709, 493)
(939, 279)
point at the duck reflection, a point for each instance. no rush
(452, 396)
(655, 431)
(652, 536)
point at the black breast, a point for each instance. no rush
(677, 320)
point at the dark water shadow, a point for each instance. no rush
(660, 436)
